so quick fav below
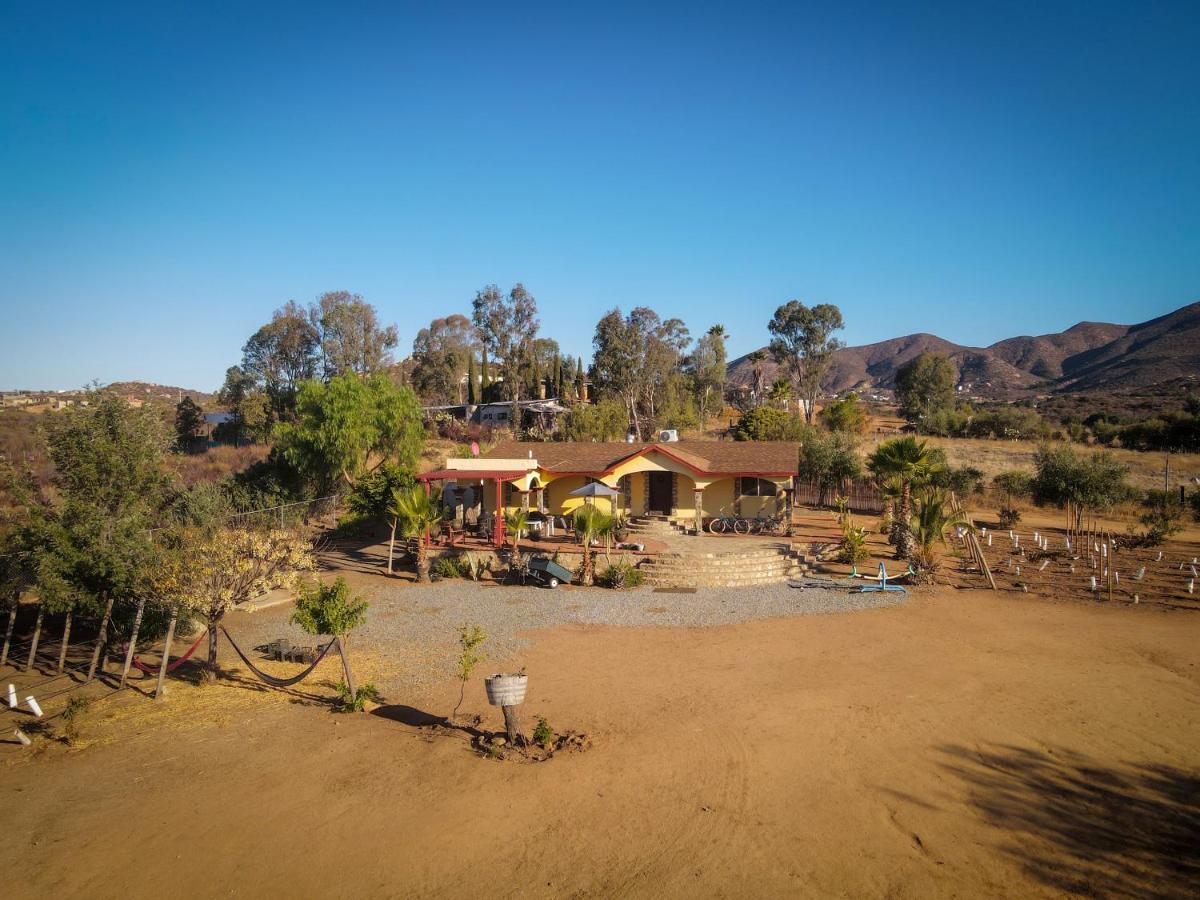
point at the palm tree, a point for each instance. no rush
(591, 524)
(908, 460)
(889, 490)
(516, 522)
(781, 393)
(416, 515)
(930, 521)
(756, 360)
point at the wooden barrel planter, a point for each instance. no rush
(508, 692)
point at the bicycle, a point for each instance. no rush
(723, 524)
(762, 524)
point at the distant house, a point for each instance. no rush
(541, 413)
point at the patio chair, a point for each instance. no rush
(452, 534)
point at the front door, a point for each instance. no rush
(660, 492)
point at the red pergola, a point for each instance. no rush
(499, 476)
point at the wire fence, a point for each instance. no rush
(285, 515)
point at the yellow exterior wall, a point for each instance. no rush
(637, 493)
(717, 496)
(559, 501)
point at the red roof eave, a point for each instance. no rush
(471, 474)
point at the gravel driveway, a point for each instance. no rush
(410, 638)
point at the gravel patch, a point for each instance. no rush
(410, 639)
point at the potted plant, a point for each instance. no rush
(508, 692)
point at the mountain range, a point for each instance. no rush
(1087, 357)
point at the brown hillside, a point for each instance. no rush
(1089, 356)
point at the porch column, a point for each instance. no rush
(498, 531)
(698, 498)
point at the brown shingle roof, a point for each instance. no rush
(708, 457)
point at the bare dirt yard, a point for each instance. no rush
(962, 743)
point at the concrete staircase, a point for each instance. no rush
(738, 566)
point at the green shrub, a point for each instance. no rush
(623, 574)
(543, 734)
(765, 423)
(76, 707)
(1162, 519)
(853, 548)
(359, 701)
(1009, 517)
(454, 567)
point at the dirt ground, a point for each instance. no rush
(961, 744)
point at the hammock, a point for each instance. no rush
(153, 670)
(271, 679)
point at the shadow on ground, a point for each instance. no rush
(1083, 828)
(418, 718)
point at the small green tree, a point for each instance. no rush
(845, 415)
(189, 419)
(415, 515)
(350, 427)
(1011, 486)
(329, 609)
(925, 386)
(1095, 482)
(470, 639)
(830, 459)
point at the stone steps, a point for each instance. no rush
(746, 568)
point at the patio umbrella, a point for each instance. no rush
(595, 489)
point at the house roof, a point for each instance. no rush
(705, 457)
(471, 474)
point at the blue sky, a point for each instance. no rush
(169, 176)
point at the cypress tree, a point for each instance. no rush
(472, 393)
(535, 376)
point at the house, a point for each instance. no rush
(687, 481)
(540, 413)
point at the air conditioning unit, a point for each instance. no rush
(668, 436)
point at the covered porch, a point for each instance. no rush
(475, 500)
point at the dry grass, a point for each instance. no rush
(993, 457)
(216, 462)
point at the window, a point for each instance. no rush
(756, 487)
